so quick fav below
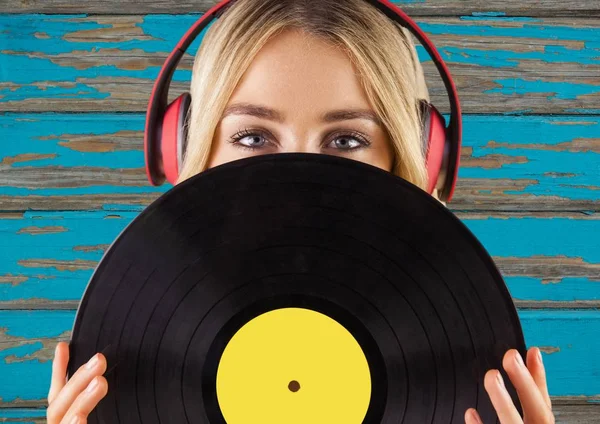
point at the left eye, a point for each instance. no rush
(346, 142)
(349, 141)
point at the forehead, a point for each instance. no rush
(295, 70)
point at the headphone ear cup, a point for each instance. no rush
(434, 138)
(174, 137)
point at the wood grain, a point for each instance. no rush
(108, 63)
(584, 8)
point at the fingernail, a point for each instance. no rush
(90, 388)
(500, 380)
(539, 355)
(475, 417)
(92, 362)
(519, 360)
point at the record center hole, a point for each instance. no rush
(294, 386)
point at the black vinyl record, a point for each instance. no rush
(377, 255)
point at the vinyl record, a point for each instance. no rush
(295, 288)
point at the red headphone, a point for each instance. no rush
(165, 137)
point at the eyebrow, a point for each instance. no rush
(273, 115)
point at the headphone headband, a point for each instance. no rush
(159, 98)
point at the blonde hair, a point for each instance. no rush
(382, 51)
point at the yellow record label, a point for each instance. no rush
(293, 365)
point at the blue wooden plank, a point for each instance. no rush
(570, 340)
(51, 139)
(21, 414)
(526, 237)
(27, 351)
(62, 34)
(70, 256)
(563, 289)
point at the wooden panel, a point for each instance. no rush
(577, 413)
(95, 161)
(568, 340)
(412, 7)
(108, 63)
(48, 257)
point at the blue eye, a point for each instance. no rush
(350, 141)
(248, 139)
(253, 135)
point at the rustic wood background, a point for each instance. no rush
(74, 81)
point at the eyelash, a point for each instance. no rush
(250, 131)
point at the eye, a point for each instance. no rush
(349, 141)
(248, 139)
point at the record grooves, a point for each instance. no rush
(379, 260)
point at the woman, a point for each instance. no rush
(325, 77)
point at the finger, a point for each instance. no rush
(87, 400)
(534, 406)
(472, 417)
(76, 384)
(538, 372)
(59, 370)
(503, 404)
(80, 420)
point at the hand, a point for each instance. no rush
(530, 383)
(69, 402)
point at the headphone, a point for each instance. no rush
(165, 136)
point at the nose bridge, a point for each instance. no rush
(301, 138)
(301, 147)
